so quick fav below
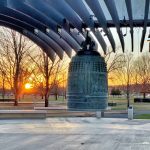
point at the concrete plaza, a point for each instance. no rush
(75, 134)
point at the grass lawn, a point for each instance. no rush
(31, 98)
(122, 104)
(142, 116)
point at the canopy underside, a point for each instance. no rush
(58, 26)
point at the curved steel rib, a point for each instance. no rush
(129, 10)
(30, 28)
(113, 12)
(31, 36)
(79, 7)
(145, 24)
(96, 8)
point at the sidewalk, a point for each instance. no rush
(75, 134)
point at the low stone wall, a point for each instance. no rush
(140, 100)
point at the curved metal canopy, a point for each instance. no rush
(58, 26)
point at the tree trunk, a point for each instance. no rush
(128, 87)
(144, 95)
(46, 101)
(56, 96)
(128, 95)
(16, 86)
(42, 96)
(46, 94)
(16, 102)
(16, 97)
(128, 100)
(3, 92)
(65, 95)
(47, 82)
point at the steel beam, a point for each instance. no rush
(129, 10)
(102, 22)
(145, 24)
(70, 15)
(79, 7)
(32, 37)
(58, 17)
(41, 21)
(113, 12)
(30, 28)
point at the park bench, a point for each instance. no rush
(22, 114)
(140, 100)
(7, 100)
(112, 104)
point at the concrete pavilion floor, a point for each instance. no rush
(75, 134)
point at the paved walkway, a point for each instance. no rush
(75, 134)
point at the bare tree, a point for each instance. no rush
(46, 73)
(120, 70)
(3, 79)
(114, 61)
(142, 71)
(14, 47)
(128, 71)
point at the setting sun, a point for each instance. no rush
(28, 86)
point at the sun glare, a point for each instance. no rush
(28, 86)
